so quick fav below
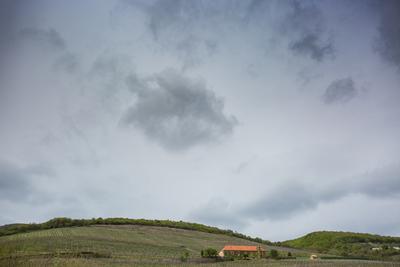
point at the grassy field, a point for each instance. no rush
(349, 244)
(133, 245)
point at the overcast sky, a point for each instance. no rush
(271, 118)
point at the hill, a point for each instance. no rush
(109, 245)
(67, 222)
(139, 242)
(349, 244)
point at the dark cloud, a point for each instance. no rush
(340, 91)
(50, 38)
(310, 45)
(9, 11)
(192, 50)
(67, 62)
(288, 200)
(187, 27)
(302, 22)
(381, 182)
(179, 27)
(255, 8)
(17, 184)
(23, 184)
(14, 184)
(305, 26)
(176, 111)
(282, 203)
(170, 13)
(179, 16)
(294, 198)
(388, 44)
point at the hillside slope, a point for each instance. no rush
(349, 244)
(111, 244)
(68, 222)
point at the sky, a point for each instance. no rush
(272, 118)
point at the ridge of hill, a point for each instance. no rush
(348, 244)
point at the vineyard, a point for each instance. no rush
(108, 243)
(127, 245)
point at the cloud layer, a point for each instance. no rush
(294, 198)
(136, 112)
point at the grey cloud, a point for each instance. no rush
(254, 7)
(304, 16)
(176, 111)
(179, 27)
(306, 24)
(67, 62)
(165, 14)
(288, 200)
(310, 45)
(282, 203)
(16, 183)
(180, 16)
(293, 198)
(51, 38)
(302, 22)
(217, 212)
(111, 64)
(340, 91)
(388, 44)
(381, 182)
(9, 11)
(192, 50)
(25, 184)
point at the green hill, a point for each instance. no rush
(139, 242)
(109, 242)
(349, 244)
(67, 222)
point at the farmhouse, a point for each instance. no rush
(242, 251)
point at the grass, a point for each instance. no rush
(61, 262)
(134, 245)
(349, 244)
(110, 243)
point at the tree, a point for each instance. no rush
(184, 256)
(209, 253)
(273, 254)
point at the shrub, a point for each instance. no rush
(184, 256)
(209, 253)
(273, 254)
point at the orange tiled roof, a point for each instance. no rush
(242, 248)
